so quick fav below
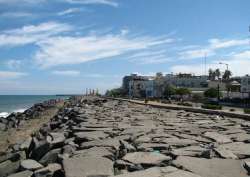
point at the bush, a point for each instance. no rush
(185, 104)
(232, 110)
(212, 93)
(212, 106)
(247, 111)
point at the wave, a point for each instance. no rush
(19, 110)
(4, 114)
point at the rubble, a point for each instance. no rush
(93, 136)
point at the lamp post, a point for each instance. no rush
(224, 64)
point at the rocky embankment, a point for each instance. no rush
(14, 120)
(94, 137)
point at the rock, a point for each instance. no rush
(160, 172)
(146, 158)
(114, 143)
(40, 149)
(26, 173)
(89, 136)
(30, 165)
(50, 157)
(211, 167)
(219, 138)
(8, 167)
(87, 166)
(26, 144)
(240, 149)
(246, 165)
(56, 139)
(96, 152)
(153, 146)
(194, 151)
(227, 154)
(13, 156)
(51, 170)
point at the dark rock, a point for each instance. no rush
(50, 157)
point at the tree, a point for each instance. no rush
(183, 91)
(169, 91)
(212, 93)
(211, 74)
(227, 75)
(117, 92)
(217, 73)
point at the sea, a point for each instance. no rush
(19, 103)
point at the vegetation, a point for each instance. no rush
(117, 92)
(247, 110)
(169, 91)
(214, 74)
(232, 110)
(227, 74)
(212, 93)
(185, 104)
(196, 97)
(182, 91)
(212, 106)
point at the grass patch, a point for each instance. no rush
(185, 104)
(247, 110)
(212, 106)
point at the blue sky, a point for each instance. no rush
(65, 46)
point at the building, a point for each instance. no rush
(188, 81)
(245, 84)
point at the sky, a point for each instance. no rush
(66, 46)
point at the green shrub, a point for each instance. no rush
(247, 110)
(212, 106)
(185, 104)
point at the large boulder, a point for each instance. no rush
(219, 138)
(211, 167)
(160, 172)
(30, 164)
(50, 157)
(146, 158)
(25, 173)
(240, 149)
(87, 166)
(8, 167)
(51, 170)
(40, 149)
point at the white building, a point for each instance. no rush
(245, 84)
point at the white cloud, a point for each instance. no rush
(21, 1)
(213, 46)
(70, 11)
(238, 63)
(66, 73)
(104, 2)
(11, 75)
(32, 33)
(14, 64)
(75, 50)
(149, 57)
(15, 14)
(219, 44)
(197, 53)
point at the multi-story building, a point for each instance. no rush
(245, 84)
(187, 81)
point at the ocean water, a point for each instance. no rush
(19, 103)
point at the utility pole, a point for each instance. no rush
(224, 64)
(205, 62)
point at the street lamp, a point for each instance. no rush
(224, 64)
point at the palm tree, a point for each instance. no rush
(226, 76)
(211, 74)
(217, 73)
